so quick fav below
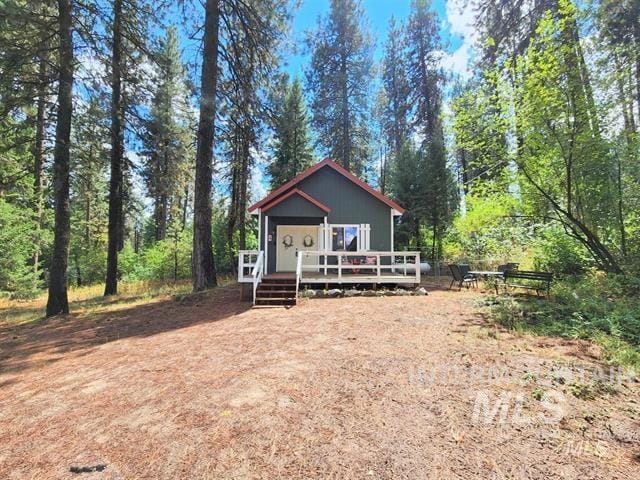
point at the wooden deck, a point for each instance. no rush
(280, 276)
(346, 278)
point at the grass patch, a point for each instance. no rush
(601, 309)
(89, 300)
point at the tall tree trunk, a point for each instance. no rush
(434, 240)
(346, 133)
(38, 161)
(464, 165)
(161, 209)
(76, 262)
(124, 195)
(117, 147)
(57, 301)
(175, 256)
(233, 203)
(185, 205)
(383, 168)
(87, 201)
(244, 179)
(204, 269)
(620, 212)
(636, 36)
(136, 239)
(629, 128)
(162, 201)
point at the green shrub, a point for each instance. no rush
(602, 308)
(17, 239)
(488, 231)
(554, 251)
(87, 263)
(163, 260)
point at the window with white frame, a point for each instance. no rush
(349, 238)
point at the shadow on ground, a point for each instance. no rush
(34, 344)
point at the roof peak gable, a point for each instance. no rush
(327, 162)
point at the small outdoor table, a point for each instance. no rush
(486, 273)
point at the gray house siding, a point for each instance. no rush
(295, 206)
(349, 204)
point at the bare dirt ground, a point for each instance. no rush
(401, 387)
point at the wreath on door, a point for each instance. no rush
(287, 241)
(308, 241)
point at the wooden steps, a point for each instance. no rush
(276, 292)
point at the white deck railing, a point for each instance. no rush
(357, 267)
(246, 261)
(251, 268)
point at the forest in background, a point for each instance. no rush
(123, 159)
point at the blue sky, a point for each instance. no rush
(455, 28)
(456, 32)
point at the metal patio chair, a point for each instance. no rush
(461, 276)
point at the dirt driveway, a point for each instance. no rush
(403, 387)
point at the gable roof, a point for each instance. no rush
(295, 191)
(327, 162)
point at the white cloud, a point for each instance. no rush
(458, 62)
(460, 15)
(259, 182)
(90, 67)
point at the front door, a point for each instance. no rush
(291, 239)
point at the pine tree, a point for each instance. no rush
(619, 29)
(339, 80)
(426, 79)
(167, 166)
(89, 191)
(128, 31)
(204, 270)
(425, 75)
(57, 301)
(292, 149)
(506, 28)
(254, 39)
(26, 87)
(397, 90)
(480, 127)
(117, 149)
(408, 188)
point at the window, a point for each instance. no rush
(345, 238)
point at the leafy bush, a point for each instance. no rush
(486, 231)
(163, 260)
(602, 308)
(16, 237)
(87, 263)
(554, 251)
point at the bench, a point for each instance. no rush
(538, 281)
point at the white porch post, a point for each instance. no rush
(266, 244)
(259, 230)
(393, 268)
(392, 232)
(327, 238)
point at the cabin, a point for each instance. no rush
(326, 227)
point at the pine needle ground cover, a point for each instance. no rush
(203, 386)
(604, 309)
